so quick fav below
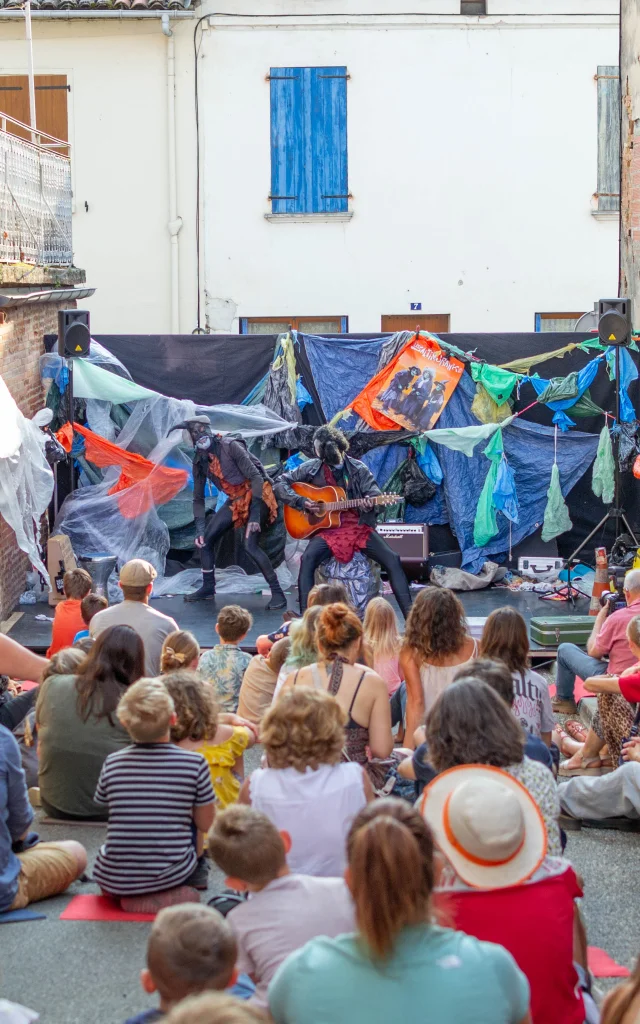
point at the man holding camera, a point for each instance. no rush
(608, 640)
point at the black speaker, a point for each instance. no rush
(74, 336)
(614, 323)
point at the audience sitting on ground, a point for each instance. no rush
(65, 662)
(303, 646)
(622, 1005)
(608, 640)
(383, 640)
(496, 675)
(19, 663)
(77, 724)
(225, 664)
(136, 583)
(198, 727)
(505, 637)
(497, 876)
(436, 645)
(602, 748)
(180, 650)
(611, 800)
(158, 797)
(284, 910)
(259, 681)
(89, 606)
(214, 1009)
(191, 949)
(15, 703)
(360, 692)
(471, 724)
(29, 870)
(308, 790)
(398, 965)
(67, 618)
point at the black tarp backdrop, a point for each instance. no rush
(223, 368)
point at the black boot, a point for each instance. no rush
(207, 591)
(278, 598)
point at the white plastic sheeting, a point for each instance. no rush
(26, 479)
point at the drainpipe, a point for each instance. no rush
(175, 222)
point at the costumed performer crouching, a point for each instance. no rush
(356, 532)
(231, 468)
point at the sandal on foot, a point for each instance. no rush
(577, 730)
(588, 766)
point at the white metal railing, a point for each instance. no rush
(35, 196)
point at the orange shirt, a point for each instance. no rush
(67, 621)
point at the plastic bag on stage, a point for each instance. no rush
(232, 580)
(360, 576)
(556, 514)
(603, 478)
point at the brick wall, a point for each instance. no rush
(21, 345)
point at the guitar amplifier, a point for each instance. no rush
(409, 540)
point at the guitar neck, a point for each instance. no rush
(342, 506)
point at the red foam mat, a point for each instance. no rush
(98, 908)
(602, 966)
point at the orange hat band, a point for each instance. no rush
(480, 861)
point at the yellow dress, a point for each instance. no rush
(221, 757)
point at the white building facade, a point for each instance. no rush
(452, 169)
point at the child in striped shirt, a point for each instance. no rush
(159, 796)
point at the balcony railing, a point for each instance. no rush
(35, 196)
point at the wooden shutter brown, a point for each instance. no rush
(51, 103)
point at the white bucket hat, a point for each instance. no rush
(486, 824)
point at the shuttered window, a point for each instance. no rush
(309, 140)
(608, 194)
(51, 103)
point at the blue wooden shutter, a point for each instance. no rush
(608, 79)
(309, 140)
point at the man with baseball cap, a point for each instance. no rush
(136, 583)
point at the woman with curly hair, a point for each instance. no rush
(307, 790)
(359, 691)
(436, 646)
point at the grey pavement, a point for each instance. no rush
(88, 972)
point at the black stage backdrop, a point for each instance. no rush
(223, 368)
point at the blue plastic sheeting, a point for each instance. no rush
(585, 379)
(529, 450)
(628, 373)
(343, 367)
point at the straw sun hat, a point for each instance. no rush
(486, 824)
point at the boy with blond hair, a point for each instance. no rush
(284, 910)
(159, 796)
(67, 618)
(191, 949)
(225, 665)
(215, 1007)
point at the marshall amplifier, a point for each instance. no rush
(409, 540)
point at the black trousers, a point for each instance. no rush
(222, 521)
(318, 551)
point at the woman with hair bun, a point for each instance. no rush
(180, 650)
(359, 691)
(398, 965)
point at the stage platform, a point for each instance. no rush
(200, 618)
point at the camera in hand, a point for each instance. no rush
(613, 600)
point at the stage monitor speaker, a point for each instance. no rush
(614, 323)
(74, 336)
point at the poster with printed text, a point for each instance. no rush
(417, 384)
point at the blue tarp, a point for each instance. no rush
(342, 368)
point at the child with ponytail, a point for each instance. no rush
(398, 965)
(180, 650)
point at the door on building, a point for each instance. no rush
(51, 103)
(437, 323)
(306, 324)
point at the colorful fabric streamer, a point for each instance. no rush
(603, 476)
(485, 525)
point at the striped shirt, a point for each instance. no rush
(150, 790)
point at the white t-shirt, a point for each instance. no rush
(284, 916)
(152, 626)
(532, 703)
(316, 808)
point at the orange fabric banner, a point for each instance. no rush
(412, 390)
(142, 484)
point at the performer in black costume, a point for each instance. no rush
(357, 530)
(252, 504)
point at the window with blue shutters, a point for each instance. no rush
(309, 140)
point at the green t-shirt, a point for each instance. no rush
(72, 752)
(435, 975)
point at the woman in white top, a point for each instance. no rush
(436, 646)
(308, 791)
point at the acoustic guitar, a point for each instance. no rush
(332, 501)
